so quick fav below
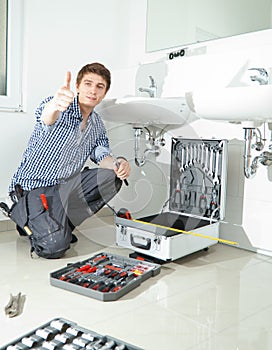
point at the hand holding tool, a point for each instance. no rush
(117, 164)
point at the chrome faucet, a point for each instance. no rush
(152, 89)
(261, 76)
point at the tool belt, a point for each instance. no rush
(48, 238)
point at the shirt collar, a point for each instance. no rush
(77, 113)
(75, 107)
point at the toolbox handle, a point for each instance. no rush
(146, 246)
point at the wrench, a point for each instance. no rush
(216, 178)
(186, 165)
(211, 163)
(202, 155)
(203, 198)
(181, 152)
(206, 159)
(195, 153)
(199, 153)
(191, 155)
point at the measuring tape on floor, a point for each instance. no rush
(186, 232)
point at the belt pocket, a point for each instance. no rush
(48, 239)
(42, 223)
(19, 212)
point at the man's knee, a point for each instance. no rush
(107, 179)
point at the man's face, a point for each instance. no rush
(91, 90)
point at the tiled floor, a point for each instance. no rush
(215, 300)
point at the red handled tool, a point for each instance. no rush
(124, 214)
(44, 201)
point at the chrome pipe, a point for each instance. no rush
(249, 170)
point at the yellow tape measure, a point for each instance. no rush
(187, 232)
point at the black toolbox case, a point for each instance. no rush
(60, 333)
(104, 276)
(196, 204)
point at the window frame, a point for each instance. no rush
(13, 101)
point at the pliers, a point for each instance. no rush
(14, 306)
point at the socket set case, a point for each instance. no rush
(196, 204)
(60, 333)
(106, 277)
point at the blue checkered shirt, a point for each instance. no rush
(56, 152)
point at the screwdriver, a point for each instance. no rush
(44, 201)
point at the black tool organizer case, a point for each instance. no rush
(106, 277)
(196, 204)
(60, 333)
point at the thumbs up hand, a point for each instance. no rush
(59, 103)
(64, 96)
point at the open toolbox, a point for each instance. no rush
(196, 204)
(60, 333)
(104, 276)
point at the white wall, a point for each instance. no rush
(65, 34)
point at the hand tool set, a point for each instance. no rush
(60, 333)
(197, 169)
(196, 204)
(105, 277)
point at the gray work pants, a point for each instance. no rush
(69, 204)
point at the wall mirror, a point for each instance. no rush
(172, 23)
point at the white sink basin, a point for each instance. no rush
(145, 111)
(247, 103)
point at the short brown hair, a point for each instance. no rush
(96, 68)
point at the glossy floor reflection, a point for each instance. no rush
(215, 300)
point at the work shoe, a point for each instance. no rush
(74, 238)
(5, 209)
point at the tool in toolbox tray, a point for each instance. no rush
(104, 276)
(60, 333)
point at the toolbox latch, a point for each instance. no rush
(123, 233)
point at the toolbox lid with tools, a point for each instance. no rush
(198, 177)
(197, 188)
